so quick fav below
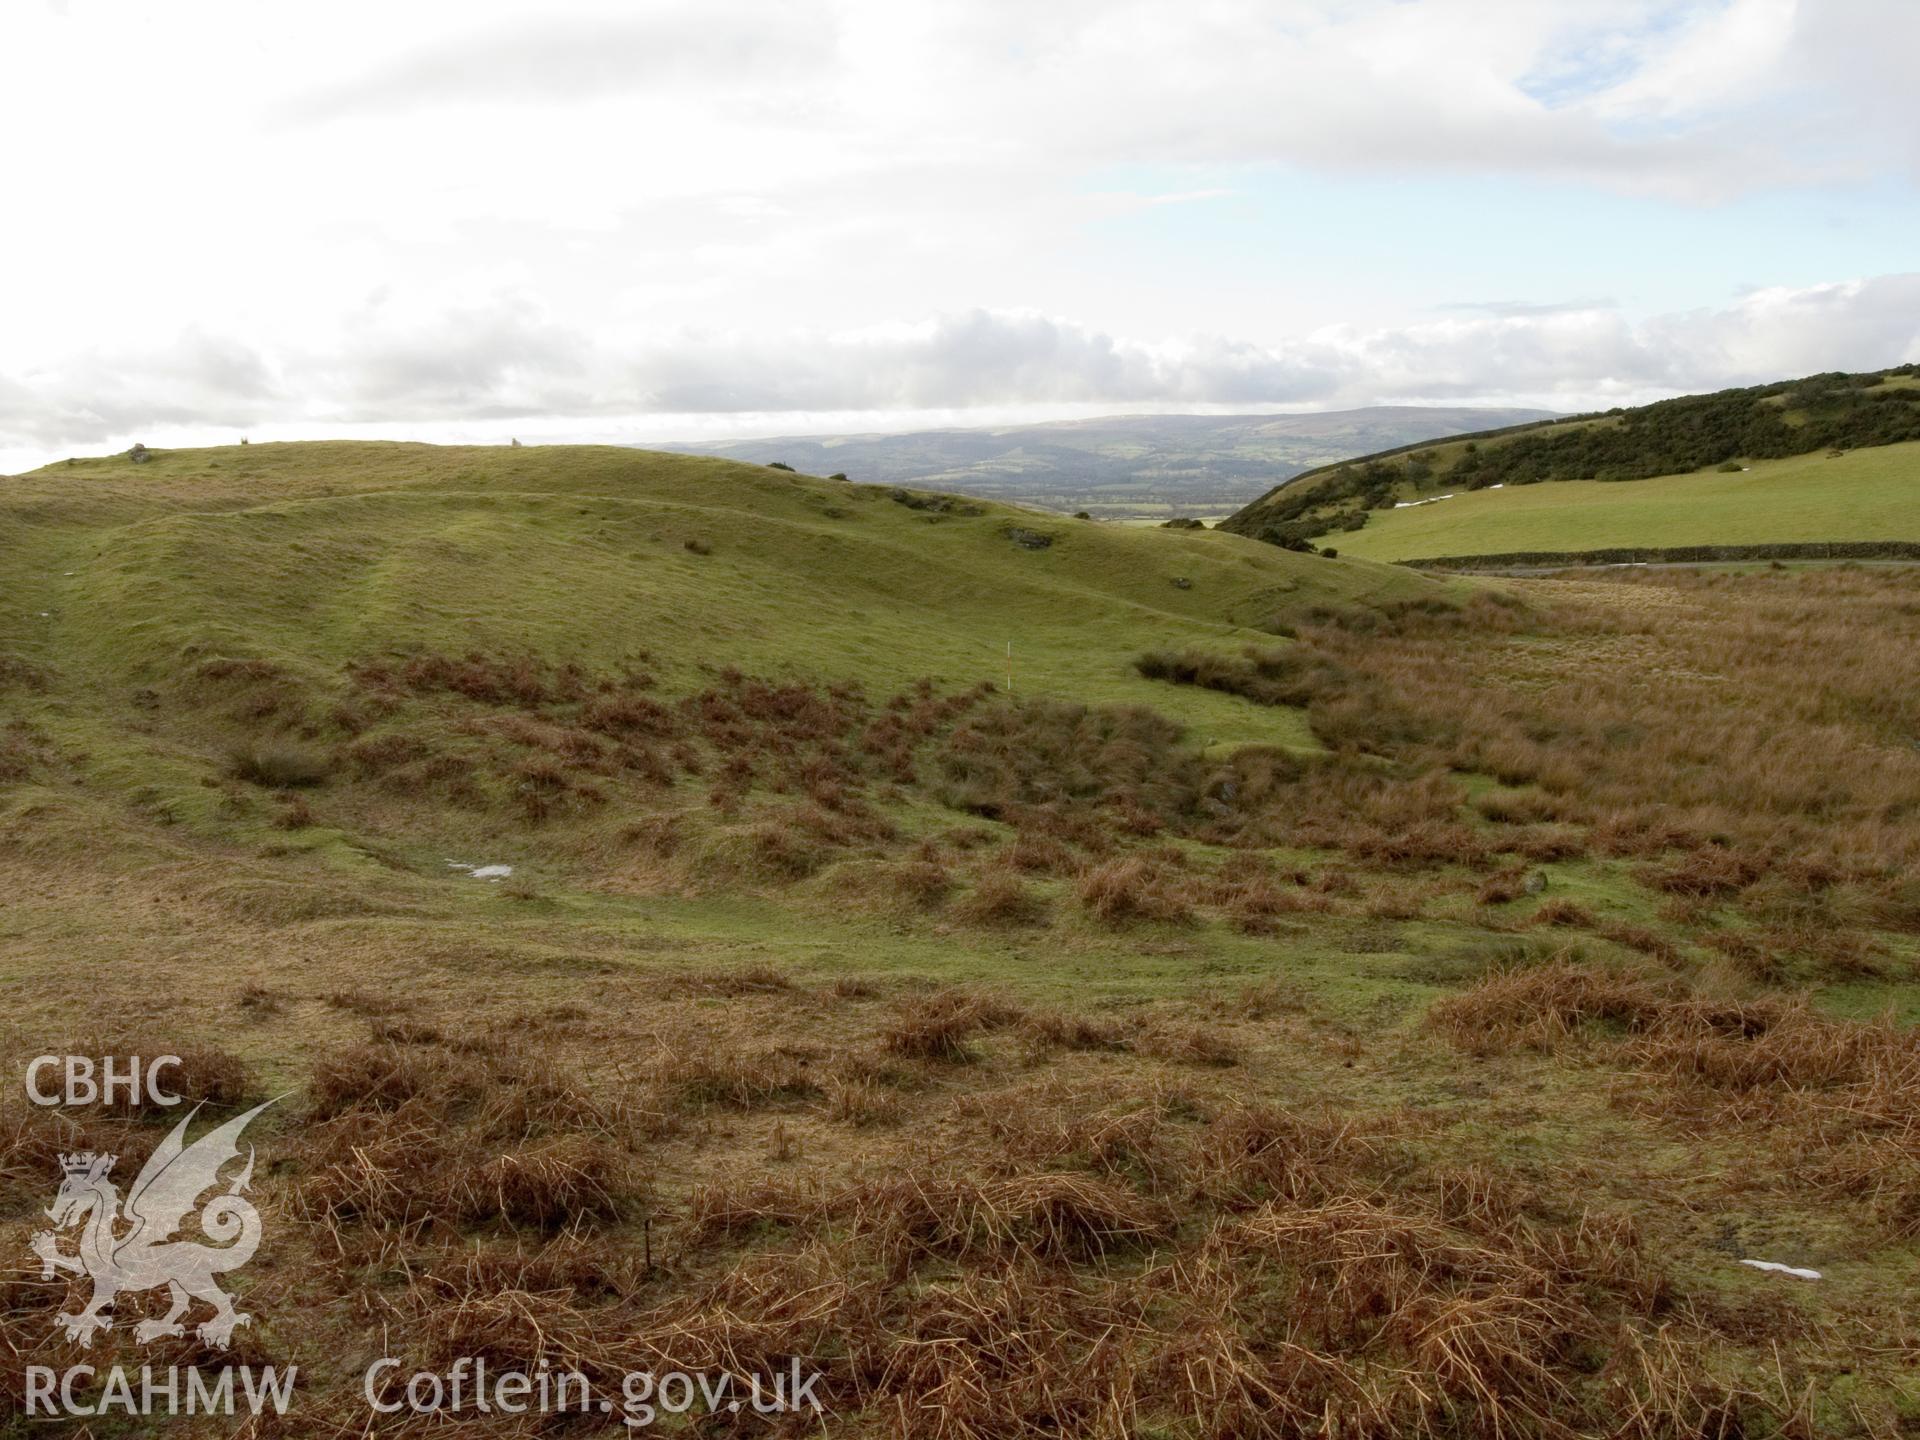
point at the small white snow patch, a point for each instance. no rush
(495, 873)
(1779, 1269)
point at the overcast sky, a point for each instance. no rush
(632, 221)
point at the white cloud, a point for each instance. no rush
(1726, 56)
(1569, 357)
(488, 371)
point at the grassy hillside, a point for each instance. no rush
(188, 623)
(1317, 997)
(313, 556)
(1861, 495)
(1723, 433)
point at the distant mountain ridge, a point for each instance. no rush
(1120, 466)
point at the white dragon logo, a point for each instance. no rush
(145, 1256)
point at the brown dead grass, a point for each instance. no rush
(999, 900)
(1081, 1250)
(940, 1026)
(1130, 891)
(1541, 1007)
(713, 1071)
(1844, 1091)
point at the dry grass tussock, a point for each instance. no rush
(1845, 1091)
(756, 978)
(705, 1072)
(909, 1216)
(939, 1026)
(999, 900)
(1457, 1304)
(1046, 1124)
(423, 1135)
(1124, 891)
(1543, 1006)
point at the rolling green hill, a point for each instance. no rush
(132, 579)
(1773, 463)
(334, 551)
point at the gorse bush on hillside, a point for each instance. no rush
(1266, 677)
(1673, 437)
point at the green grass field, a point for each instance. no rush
(1862, 495)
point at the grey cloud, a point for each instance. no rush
(199, 379)
(506, 361)
(470, 361)
(972, 358)
(219, 366)
(983, 358)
